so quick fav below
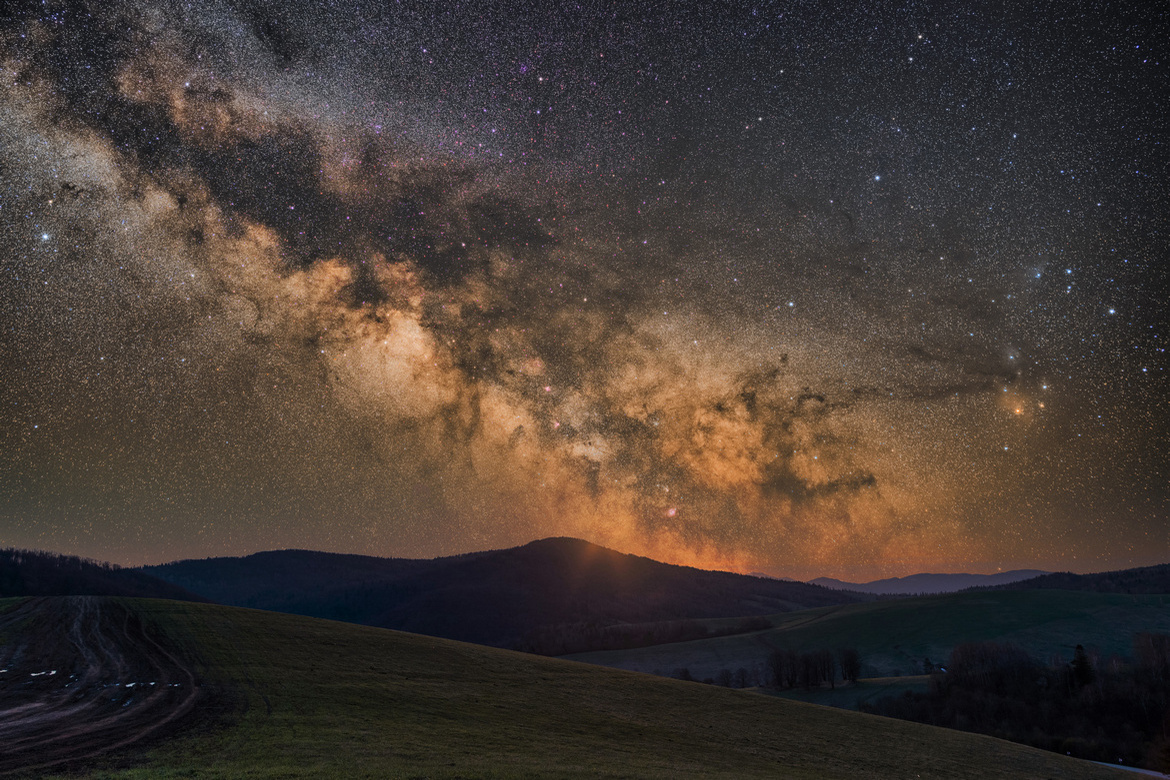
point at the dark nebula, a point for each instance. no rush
(785, 288)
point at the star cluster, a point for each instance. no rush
(781, 288)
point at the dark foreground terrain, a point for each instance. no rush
(38, 573)
(82, 676)
(543, 596)
(314, 698)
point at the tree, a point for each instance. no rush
(850, 662)
(1082, 669)
(810, 670)
(1153, 654)
(785, 667)
(827, 667)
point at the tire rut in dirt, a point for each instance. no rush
(84, 676)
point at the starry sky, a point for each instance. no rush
(847, 289)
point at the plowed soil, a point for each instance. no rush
(82, 676)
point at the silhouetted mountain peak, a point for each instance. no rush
(492, 597)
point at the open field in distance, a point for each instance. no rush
(894, 637)
(303, 697)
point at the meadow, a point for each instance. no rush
(895, 637)
(290, 696)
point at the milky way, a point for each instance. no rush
(781, 289)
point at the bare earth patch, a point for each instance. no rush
(83, 676)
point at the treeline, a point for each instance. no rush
(1144, 580)
(786, 669)
(592, 636)
(1110, 710)
(814, 669)
(32, 573)
(727, 678)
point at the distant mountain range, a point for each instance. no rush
(499, 597)
(32, 573)
(553, 595)
(928, 583)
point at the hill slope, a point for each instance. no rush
(33, 573)
(1147, 579)
(313, 698)
(83, 675)
(497, 597)
(916, 584)
(893, 637)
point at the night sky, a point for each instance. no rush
(799, 288)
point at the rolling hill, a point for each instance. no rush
(288, 696)
(34, 573)
(921, 584)
(1146, 579)
(499, 597)
(893, 637)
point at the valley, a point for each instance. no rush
(313, 698)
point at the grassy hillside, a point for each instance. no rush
(552, 589)
(852, 695)
(312, 698)
(894, 636)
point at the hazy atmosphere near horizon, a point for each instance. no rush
(807, 289)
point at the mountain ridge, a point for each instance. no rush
(929, 583)
(495, 597)
(1142, 579)
(40, 573)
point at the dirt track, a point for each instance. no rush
(82, 676)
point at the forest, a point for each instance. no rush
(34, 573)
(1114, 709)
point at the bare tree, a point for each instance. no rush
(850, 661)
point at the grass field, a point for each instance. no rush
(893, 637)
(313, 698)
(849, 696)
